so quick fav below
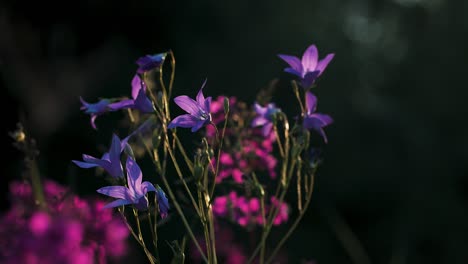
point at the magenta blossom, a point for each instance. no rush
(309, 68)
(314, 120)
(135, 193)
(265, 117)
(198, 111)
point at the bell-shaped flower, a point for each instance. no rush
(265, 117)
(110, 161)
(95, 109)
(139, 99)
(198, 111)
(136, 191)
(163, 203)
(316, 121)
(149, 62)
(309, 68)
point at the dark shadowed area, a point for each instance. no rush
(393, 187)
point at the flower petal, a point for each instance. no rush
(143, 103)
(322, 64)
(117, 203)
(123, 104)
(198, 125)
(310, 58)
(137, 85)
(293, 71)
(119, 192)
(200, 97)
(267, 129)
(84, 165)
(183, 121)
(293, 61)
(134, 177)
(259, 121)
(311, 102)
(147, 187)
(260, 110)
(188, 104)
(309, 79)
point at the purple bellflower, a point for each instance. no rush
(149, 62)
(110, 161)
(96, 109)
(309, 68)
(140, 101)
(265, 117)
(163, 203)
(198, 111)
(314, 120)
(135, 193)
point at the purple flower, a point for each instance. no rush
(163, 203)
(314, 120)
(309, 68)
(140, 101)
(135, 193)
(265, 117)
(198, 111)
(149, 62)
(110, 161)
(96, 109)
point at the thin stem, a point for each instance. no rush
(184, 220)
(278, 139)
(296, 92)
(154, 233)
(182, 150)
(296, 222)
(299, 187)
(179, 173)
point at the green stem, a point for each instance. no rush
(296, 222)
(36, 183)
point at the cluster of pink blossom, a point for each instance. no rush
(68, 230)
(246, 148)
(247, 211)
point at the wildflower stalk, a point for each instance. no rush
(153, 229)
(296, 92)
(37, 184)
(298, 219)
(183, 152)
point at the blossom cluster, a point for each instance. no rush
(247, 211)
(70, 230)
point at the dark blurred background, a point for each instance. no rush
(393, 185)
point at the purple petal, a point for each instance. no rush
(119, 192)
(311, 102)
(143, 103)
(134, 176)
(90, 159)
(309, 79)
(117, 203)
(137, 85)
(292, 71)
(266, 130)
(259, 121)
(183, 121)
(188, 104)
(200, 97)
(207, 105)
(114, 151)
(84, 103)
(93, 119)
(123, 104)
(198, 125)
(260, 110)
(147, 187)
(310, 58)
(317, 121)
(293, 61)
(322, 64)
(84, 165)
